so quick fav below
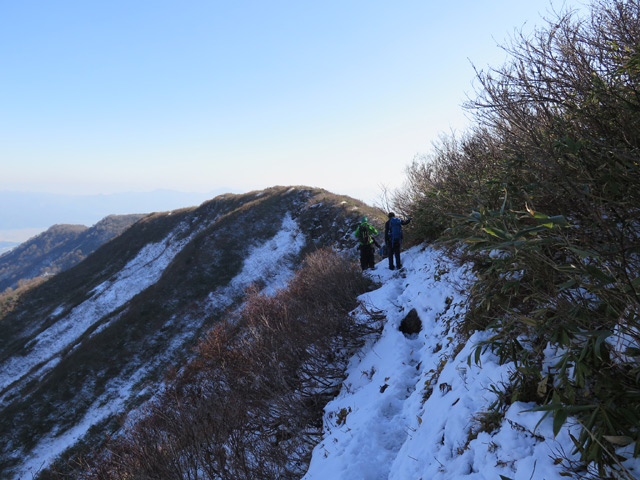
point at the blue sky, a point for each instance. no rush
(112, 96)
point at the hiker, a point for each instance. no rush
(393, 238)
(364, 233)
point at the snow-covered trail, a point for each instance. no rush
(410, 406)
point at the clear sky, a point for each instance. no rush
(194, 95)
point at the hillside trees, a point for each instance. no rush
(58, 249)
(544, 190)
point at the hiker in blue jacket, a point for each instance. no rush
(364, 233)
(393, 238)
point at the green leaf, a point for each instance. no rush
(599, 274)
(579, 408)
(504, 204)
(510, 243)
(592, 419)
(567, 284)
(559, 417)
(477, 355)
(543, 386)
(496, 232)
(528, 321)
(602, 336)
(583, 253)
(475, 239)
(531, 231)
(559, 220)
(578, 445)
(510, 285)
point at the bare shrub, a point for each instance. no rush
(461, 173)
(250, 405)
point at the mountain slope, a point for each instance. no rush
(58, 248)
(88, 344)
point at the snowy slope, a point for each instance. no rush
(93, 343)
(272, 260)
(141, 272)
(411, 408)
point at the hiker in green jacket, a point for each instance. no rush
(364, 234)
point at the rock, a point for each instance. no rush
(411, 324)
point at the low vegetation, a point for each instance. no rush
(128, 350)
(10, 297)
(543, 190)
(250, 404)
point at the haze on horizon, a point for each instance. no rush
(137, 96)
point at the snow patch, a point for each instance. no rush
(54, 444)
(140, 273)
(270, 262)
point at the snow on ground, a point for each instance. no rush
(141, 272)
(269, 262)
(55, 443)
(117, 393)
(411, 407)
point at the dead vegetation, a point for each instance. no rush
(250, 405)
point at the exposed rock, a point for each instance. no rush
(411, 324)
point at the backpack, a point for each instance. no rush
(364, 235)
(395, 228)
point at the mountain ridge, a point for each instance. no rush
(133, 307)
(60, 247)
(6, 246)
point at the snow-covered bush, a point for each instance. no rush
(544, 192)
